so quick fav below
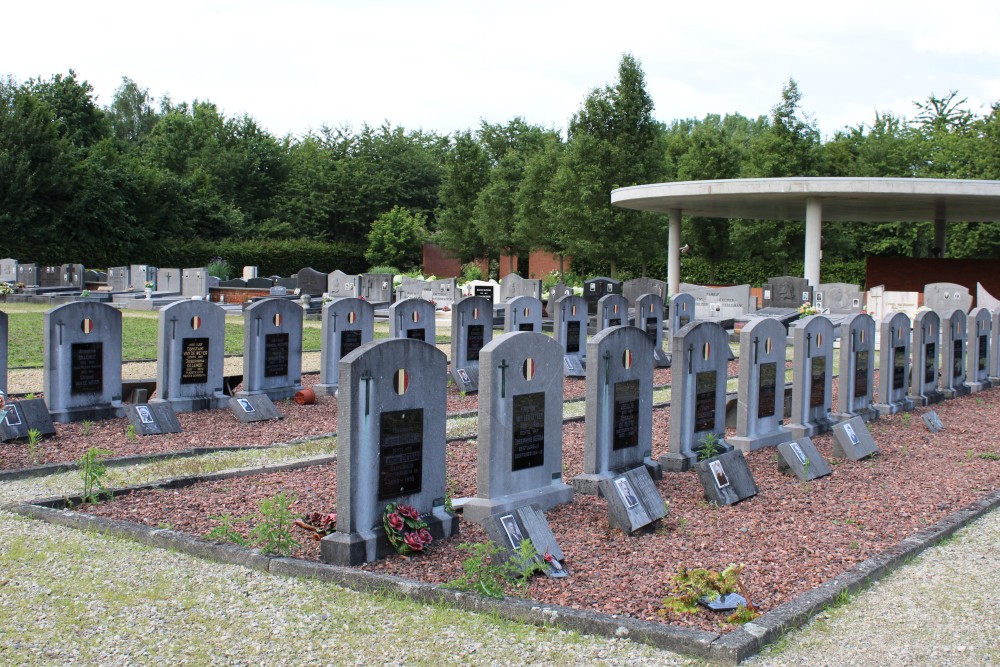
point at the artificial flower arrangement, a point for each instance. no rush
(406, 532)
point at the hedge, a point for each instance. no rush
(282, 257)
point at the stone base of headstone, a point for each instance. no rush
(574, 366)
(276, 394)
(749, 443)
(113, 410)
(253, 408)
(466, 379)
(660, 359)
(153, 418)
(932, 421)
(808, 430)
(633, 500)
(590, 484)
(478, 509)
(675, 462)
(726, 478)
(653, 467)
(851, 440)
(976, 387)
(325, 389)
(790, 461)
(869, 414)
(194, 403)
(509, 529)
(371, 545)
(956, 391)
(923, 400)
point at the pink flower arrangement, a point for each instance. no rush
(318, 523)
(404, 529)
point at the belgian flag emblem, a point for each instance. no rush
(352, 317)
(195, 322)
(627, 359)
(87, 325)
(401, 381)
(529, 368)
(277, 319)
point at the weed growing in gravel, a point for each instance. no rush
(29, 396)
(906, 419)
(87, 426)
(989, 456)
(710, 447)
(225, 532)
(34, 437)
(691, 585)
(92, 471)
(486, 576)
(130, 432)
(273, 533)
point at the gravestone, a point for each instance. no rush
(681, 312)
(720, 304)
(471, 331)
(977, 372)
(8, 270)
(812, 377)
(190, 353)
(513, 286)
(443, 292)
(569, 324)
(83, 361)
(839, 298)
(994, 365)
(924, 383)
(272, 349)
(376, 288)
(633, 500)
(291, 283)
(801, 459)
(520, 426)
(141, 274)
(726, 478)
(932, 421)
(483, 288)
(214, 281)
(943, 297)
(612, 311)
(509, 530)
(27, 274)
(253, 408)
(698, 393)
(414, 319)
(50, 276)
(635, 288)
(390, 446)
(249, 272)
(879, 303)
(24, 416)
(194, 282)
(340, 285)
(618, 429)
(954, 332)
(857, 368)
(556, 292)
(3, 352)
(522, 313)
(278, 290)
(348, 323)
(311, 282)
(851, 440)
(760, 406)
(168, 280)
(152, 418)
(72, 276)
(787, 292)
(260, 283)
(595, 288)
(234, 282)
(649, 318)
(986, 300)
(90, 277)
(413, 288)
(894, 359)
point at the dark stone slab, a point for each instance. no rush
(801, 459)
(932, 421)
(633, 500)
(726, 478)
(153, 418)
(851, 440)
(36, 413)
(253, 408)
(508, 529)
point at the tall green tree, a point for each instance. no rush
(466, 172)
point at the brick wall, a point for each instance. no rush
(235, 294)
(437, 263)
(906, 274)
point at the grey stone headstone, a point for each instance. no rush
(249, 272)
(612, 311)
(681, 312)
(390, 446)
(140, 275)
(3, 351)
(524, 523)
(168, 281)
(595, 288)
(260, 283)
(253, 408)
(119, 279)
(556, 292)
(278, 290)
(413, 288)
(291, 283)
(801, 459)
(214, 281)
(894, 365)
(926, 350)
(787, 292)
(522, 313)
(995, 349)
(520, 426)
(633, 500)
(698, 392)
(348, 323)
(857, 368)
(444, 291)
(340, 285)
(649, 318)
(72, 276)
(954, 332)
(194, 282)
(618, 430)
(977, 370)
(932, 421)
(484, 289)
(413, 318)
(83, 361)
(190, 354)
(812, 377)
(272, 348)
(851, 440)
(635, 288)
(839, 298)
(986, 300)
(569, 324)
(50, 276)
(942, 297)
(471, 331)
(90, 277)
(27, 274)
(152, 418)
(760, 403)
(36, 412)
(311, 281)
(234, 282)
(13, 425)
(514, 285)
(720, 304)
(726, 478)
(376, 288)
(8, 270)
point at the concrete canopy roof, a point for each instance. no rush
(844, 199)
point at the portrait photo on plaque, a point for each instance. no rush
(245, 404)
(513, 531)
(721, 478)
(849, 430)
(799, 454)
(145, 416)
(626, 492)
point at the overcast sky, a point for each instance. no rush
(443, 65)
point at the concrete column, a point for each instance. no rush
(814, 232)
(674, 253)
(941, 235)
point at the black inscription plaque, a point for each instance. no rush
(898, 367)
(625, 431)
(401, 453)
(572, 337)
(275, 355)
(194, 360)
(87, 368)
(483, 290)
(817, 386)
(350, 340)
(767, 388)
(416, 334)
(956, 362)
(525, 326)
(861, 374)
(475, 342)
(930, 376)
(704, 401)
(615, 322)
(528, 445)
(984, 353)
(651, 327)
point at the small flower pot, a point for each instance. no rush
(305, 396)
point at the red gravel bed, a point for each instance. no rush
(791, 536)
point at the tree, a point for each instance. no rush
(131, 112)
(466, 173)
(396, 239)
